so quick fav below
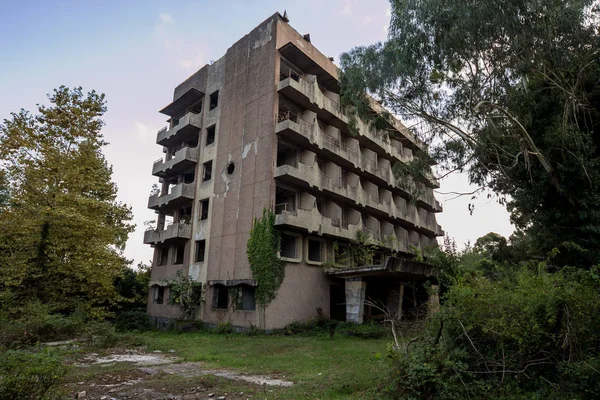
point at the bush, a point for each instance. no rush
(224, 328)
(36, 324)
(529, 335)
(30, 375)
(368, 330)
(133, 320)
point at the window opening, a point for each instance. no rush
(210, 134)
(220, 297)
(207, 173)
(200, 250)
(203, 209)
(214, 100)
(179, 252)
(288, 246)
(315, 250)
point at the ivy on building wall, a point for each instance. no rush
(186, 293)
(267, 268)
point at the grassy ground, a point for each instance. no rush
(320, 367)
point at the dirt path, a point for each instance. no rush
(132, 374)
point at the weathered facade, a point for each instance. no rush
(262, 127)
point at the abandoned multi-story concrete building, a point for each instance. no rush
(262, 128)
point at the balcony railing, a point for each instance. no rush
(175, 231)
(188, 125)
(185, 156)
(180, 193)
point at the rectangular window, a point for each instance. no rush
(179, 252)
(214, 100)
(289, 246)
(203, 209)
(210, 134)
(220, 296)
(207, 172)
(316, 250)
(246, 301)
(163, 257)
(159, 294)
(200, 250)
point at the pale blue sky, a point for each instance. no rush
(136, 52)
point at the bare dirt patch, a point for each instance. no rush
(133, 374)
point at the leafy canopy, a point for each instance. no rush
(63, 231)
(505, 90)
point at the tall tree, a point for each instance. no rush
(63, 231)
(506, 90)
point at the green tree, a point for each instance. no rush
(508, 91)
(63, 232)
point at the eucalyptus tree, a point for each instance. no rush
(507, 91)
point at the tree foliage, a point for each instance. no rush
(266, 266)
(63, 231)
(507, 91)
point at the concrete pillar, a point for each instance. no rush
(355, 299)
(434, 299)
(400, 300)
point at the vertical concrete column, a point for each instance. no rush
(355, 299)
(400, 299)
(434, 299)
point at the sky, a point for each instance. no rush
(137, 51)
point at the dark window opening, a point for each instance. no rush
(230, 168)
(196, 108)
(159, 294)
(341, 255)
(377, 258)
(214, 100)
(207, 173)
(210, 134)
(220, 297)
(163, 258)
(286, 154)
(288, 247)
(203, 209)
(179, 252)
(192, 142)
(246, 301)
(188, 177)
(200, 250)
(185, 215)
(315, 250)
(285, 200)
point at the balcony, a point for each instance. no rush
(313, 222)
(178, 231)
(309, 95)
(302, 175)
(187, 128)
(182, 160)
(180, 194)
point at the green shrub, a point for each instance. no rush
(132, 321)
(368, 330)
(526, 335)
(224, 327)
(31, 374)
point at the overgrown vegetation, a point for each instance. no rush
(267, 268)
(506, 331)
(186, 293)
(33, 375)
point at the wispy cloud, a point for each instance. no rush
(142, 131)
(166, 18)
(186, 54)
